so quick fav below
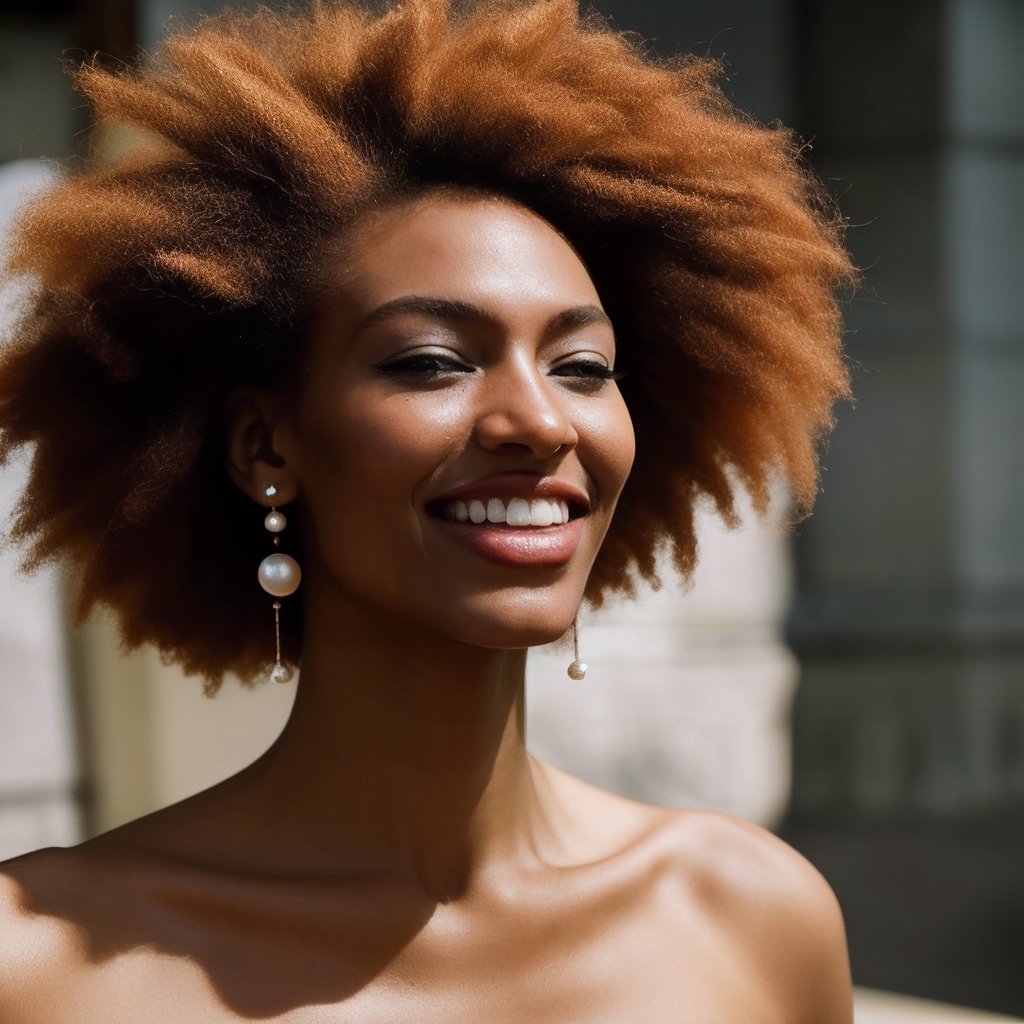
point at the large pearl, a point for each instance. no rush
(279, 574)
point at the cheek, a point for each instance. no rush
(363, 462)
(378, 440)
(625, 448)
(612, 448)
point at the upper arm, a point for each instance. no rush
(815, 944)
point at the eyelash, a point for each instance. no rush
(426, 363)
(586, 370)
(436, 365)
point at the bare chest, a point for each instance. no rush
(613, 975)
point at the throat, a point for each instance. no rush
(427, 778)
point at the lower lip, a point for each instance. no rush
(533, 546)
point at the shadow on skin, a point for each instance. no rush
(266, 945)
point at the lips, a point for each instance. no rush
(515, 519)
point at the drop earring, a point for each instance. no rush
(578, 668)
(279, 575)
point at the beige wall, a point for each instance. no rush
(153, 737)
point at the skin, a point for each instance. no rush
(398, 855)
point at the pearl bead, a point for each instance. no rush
(279, 575)
(275, 521)
(578, 669)
(282, 673)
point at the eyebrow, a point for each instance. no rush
(467, 312)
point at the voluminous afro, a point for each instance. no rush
(188, 267)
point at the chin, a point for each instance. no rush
(514, 624)
(508, 640)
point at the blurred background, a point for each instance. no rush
(857, 686)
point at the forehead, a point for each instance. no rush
(491, 252)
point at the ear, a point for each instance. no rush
(253, 417)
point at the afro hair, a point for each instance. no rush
(187, 266)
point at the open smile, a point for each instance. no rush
(516, 512)
(515, 519)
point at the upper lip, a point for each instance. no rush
(517, 485)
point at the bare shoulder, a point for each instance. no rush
(711, 880)
(40, 947)
(738, 862)
(774, 904)
(735, 865)
(745, 874)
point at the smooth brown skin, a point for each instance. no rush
(397, 855)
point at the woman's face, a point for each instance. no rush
(459, 371)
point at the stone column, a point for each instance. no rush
(910, 614)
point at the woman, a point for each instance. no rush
(367, 285)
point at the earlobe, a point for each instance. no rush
(253, 461)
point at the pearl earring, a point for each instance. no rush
(279, 576)
(578, 668)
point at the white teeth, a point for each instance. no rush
(540, 513)
(517, 512)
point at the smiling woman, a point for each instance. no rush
(465, 357)
(368, 286)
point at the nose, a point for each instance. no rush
(521, 412)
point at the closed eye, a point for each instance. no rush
(586, 369)
(427, 364)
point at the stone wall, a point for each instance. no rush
(39, 775)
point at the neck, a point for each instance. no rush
(406, 753)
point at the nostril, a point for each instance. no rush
(543, 434)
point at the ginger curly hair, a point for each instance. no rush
(188, 267)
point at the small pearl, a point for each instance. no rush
(577, 670)
(279, 575)
(282, 673)
(275, 521)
